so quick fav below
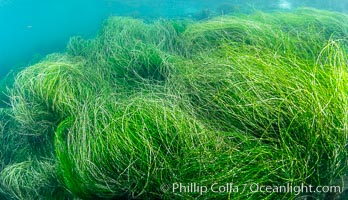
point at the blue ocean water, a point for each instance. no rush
(31, 29)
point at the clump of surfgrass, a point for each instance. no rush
(43, 95)
(13, 146)
(299, 108)
(129, 52)
(31, 180)
(300, 34)
(47, 92)
(317, 22)
(231, 168)
(163, 34)
(166, 35)
(124, 149)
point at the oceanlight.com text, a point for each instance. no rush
(247, 188)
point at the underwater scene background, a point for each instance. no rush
(173, 99)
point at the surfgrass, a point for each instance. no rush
(300, 34)
(31, 180)
(13, 146)
(124, 149)
(300, 108)
(5, 83)
(47, 92)
(130, 52)
(43, 95)
(244, 99)
(232, 167)
(323, 23)
(4, 125)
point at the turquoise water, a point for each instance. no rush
(31, 29)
